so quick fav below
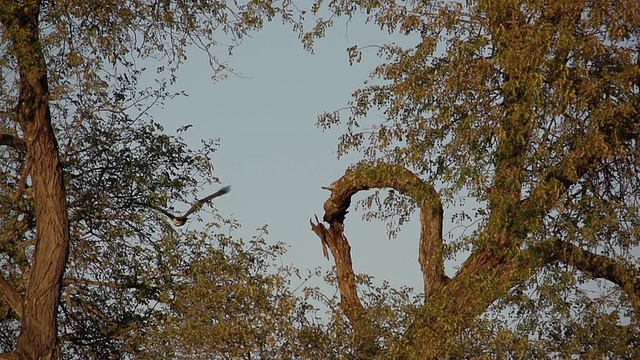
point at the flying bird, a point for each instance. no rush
(181, 220)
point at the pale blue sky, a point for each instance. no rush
(274, 156)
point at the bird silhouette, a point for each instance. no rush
(181, 220)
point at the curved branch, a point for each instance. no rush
(366, 177)
(13, 141)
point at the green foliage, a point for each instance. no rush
(108, 63)
(528, 108)
(227, 300)
(529, 111)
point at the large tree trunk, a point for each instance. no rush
(38, 337)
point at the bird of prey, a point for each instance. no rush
(181, 220)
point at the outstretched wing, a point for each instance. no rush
(198, 204)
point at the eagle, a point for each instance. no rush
(181, 220)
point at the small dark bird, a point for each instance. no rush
(181, 220)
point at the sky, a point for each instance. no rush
(273, 155)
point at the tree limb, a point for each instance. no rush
(381, 175)
(366, 177)
(13, 141)
(484, 277)
(13, 298)
(23, 180)
(626, 276)
(95, 283)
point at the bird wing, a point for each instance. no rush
(198, 204)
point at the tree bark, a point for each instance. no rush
(431, 246)
(38, 336)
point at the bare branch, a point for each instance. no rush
(399, 178)
(94, 283)
(23, 180)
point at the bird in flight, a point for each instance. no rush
(181, 220)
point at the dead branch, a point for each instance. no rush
(404, 181)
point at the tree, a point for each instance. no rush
(530, 112)
(233, 302)
(79, 152)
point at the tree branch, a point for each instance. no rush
(13, 141)
(626, 276)
(486, 275)
(381, 175)
(13, 298)
(350, 303)
(23, 180)
(366, 177)
(95, 283)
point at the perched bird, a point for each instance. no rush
(181, 220)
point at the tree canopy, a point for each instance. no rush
(530, 112)
(525, 110)
(79, 152)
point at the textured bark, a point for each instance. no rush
(350, 303)
(38, 336)
(404, 181)
(11, 296)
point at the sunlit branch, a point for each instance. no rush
(430, 256)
